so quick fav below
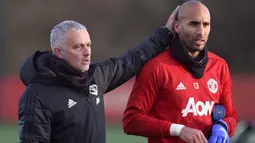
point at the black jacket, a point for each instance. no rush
(54, 109)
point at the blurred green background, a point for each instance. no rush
(114, 133)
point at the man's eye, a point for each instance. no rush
(77, 46)
(206, 24)
(194, 23)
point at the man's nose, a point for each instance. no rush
(201, 30)
(86, 51)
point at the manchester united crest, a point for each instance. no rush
(212, 85)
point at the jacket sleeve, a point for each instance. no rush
(34, 120)
(136, 119)
(116, 71)
(227, 101)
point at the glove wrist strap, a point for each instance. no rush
(222, 124)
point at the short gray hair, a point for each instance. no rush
(58, 31)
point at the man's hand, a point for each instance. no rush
(190, 135)
(171, 19)
(219, 134)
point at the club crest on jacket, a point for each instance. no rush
(212, 85)
(93, 89)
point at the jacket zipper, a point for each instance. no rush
(94, 112)
(87, 95)
(88, 99)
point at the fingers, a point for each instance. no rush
(174, 14)
(175, 11)
(190, 135)
(212, 140)
(172, 19)
(225, 140)
(201, 137)
(219, 140)
(204, 140)
(196, 140)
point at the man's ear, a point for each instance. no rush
(57, 52)
(177, 26)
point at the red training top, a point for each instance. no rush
(165, 93)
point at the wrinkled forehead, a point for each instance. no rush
(77, 36)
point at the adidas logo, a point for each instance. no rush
(181, 86)
(71, 103)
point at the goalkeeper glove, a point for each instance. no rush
(219, 133)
